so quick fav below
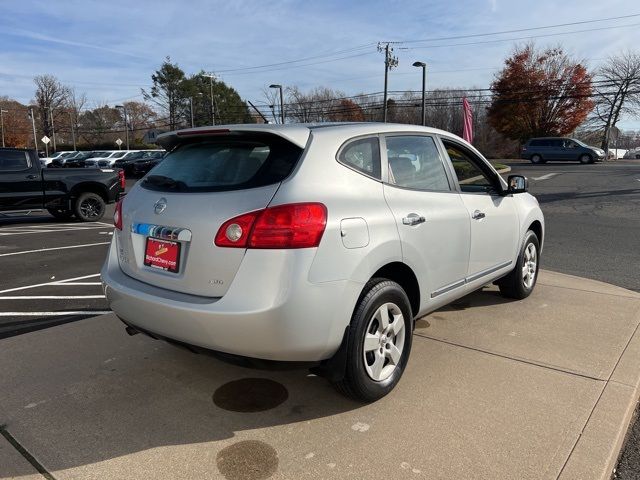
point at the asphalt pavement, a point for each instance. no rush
(592, 216)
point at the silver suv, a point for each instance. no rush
(316, 244)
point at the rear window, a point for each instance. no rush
(13, 161)
(535, 143)
(223, 164)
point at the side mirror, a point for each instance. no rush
(517, 184)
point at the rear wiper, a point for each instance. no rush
(162, 181)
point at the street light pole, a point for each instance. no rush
(53, 129)
(424, 90)
(2, 124)
(126, 123)
(73, 133)
(279, 87)
(33, 124)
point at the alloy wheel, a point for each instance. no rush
(384, 342)
(530, 265)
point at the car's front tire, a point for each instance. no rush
(521, 281)
(537, 159)
(379, 345)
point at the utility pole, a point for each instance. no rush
(191, 110)
(2, 124)
(213, 112)
(126, 123)
(73, 133)
(53, 129)
(389, 62)
(33, 124)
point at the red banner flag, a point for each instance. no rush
(467, 131)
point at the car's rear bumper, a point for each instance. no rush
(267, 313)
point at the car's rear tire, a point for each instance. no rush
(89, 207)
(379, 345)
(537, 159)
(586, 158)
(522, 280)
(61, 213)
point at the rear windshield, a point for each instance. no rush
(212, 165)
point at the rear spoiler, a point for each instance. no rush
(296, 134)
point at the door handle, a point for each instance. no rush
(478, 215)
(413, 219)
(32, 177)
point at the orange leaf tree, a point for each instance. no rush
(540, 93)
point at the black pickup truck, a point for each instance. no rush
(68, 192)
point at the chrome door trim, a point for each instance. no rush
(448, 288)
(488, 271)
(472, 278)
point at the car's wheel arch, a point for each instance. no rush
(92, 187)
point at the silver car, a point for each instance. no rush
(316, 244)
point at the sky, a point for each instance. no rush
(110, 49)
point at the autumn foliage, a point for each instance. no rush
(540, 93)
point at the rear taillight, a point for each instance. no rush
(296, 225)
(117, 215)
(123, 181)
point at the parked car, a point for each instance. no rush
(542, 150)
(65, 193)
(316, 244)
(71, 161)
(147, 162)
(126, 162)
(107, 157)
(46, 161)
(632, 153)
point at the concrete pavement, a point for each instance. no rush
(543, 388)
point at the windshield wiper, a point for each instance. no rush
(162, 181)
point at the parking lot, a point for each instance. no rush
(495, 389)
(50, 271)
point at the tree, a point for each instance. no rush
(140, 117)
(617, 93)
(17, 127)
(347, 111)
(50, 98)
(170, 91)
(540, 92)
(228, 107)
(100, 125)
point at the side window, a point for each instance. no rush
(471, 178)
(362, 155)
(414, 162)
(535, 143)
(12, 161)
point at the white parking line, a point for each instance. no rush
(62, 284)
(50, 297)
(53, 248)
(545, 177)
(53, 314)
(49, 283)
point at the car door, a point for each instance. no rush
(432, 221)
(20, 182)
(494, 218)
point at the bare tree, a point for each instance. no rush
(50, 99)
(617, 89)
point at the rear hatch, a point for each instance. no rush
(171, 217)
